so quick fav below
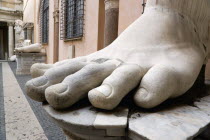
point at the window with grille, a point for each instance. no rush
(45, 21)
(25, 33)
(72, 18)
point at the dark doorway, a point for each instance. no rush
(3, 41)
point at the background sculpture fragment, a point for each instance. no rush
(165, 49)
(19, 33)
(33, 48)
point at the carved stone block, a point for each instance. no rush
(26, 60)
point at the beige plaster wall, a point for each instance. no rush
(36, 20)
(89, 42)
(129, 11)
(30, 14)
(29, 8)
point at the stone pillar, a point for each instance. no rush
(111, 21)
(56, 31)
(11, 39)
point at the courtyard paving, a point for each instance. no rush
(20, 117)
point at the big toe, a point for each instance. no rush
(35, 88)
(56, 95)
(116, 87)
(39, 69)
(99, 97)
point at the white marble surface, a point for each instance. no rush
(178, 123)
(175, 123)
(111, 119)
(115, 122)
(86, 121)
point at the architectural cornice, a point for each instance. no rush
(19, 2)
(10, 24)
(14, 13)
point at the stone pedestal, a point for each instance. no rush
(179, 122)
(111, 21)
(26, 60)
(85, 122)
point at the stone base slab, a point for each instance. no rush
(26, 60)
(174, 122)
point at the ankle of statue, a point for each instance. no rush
(165, 10)
(161, 9)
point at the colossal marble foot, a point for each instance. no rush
(161, 54)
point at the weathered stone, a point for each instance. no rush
(73, 120)
(86, 122)
(177, 123)
(19, 33)
(115, 122)
(32, 48)
(26, 60)
(76, 136)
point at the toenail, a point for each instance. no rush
(144, 93)
(106, 90)
(62, 87)
(40, 81)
